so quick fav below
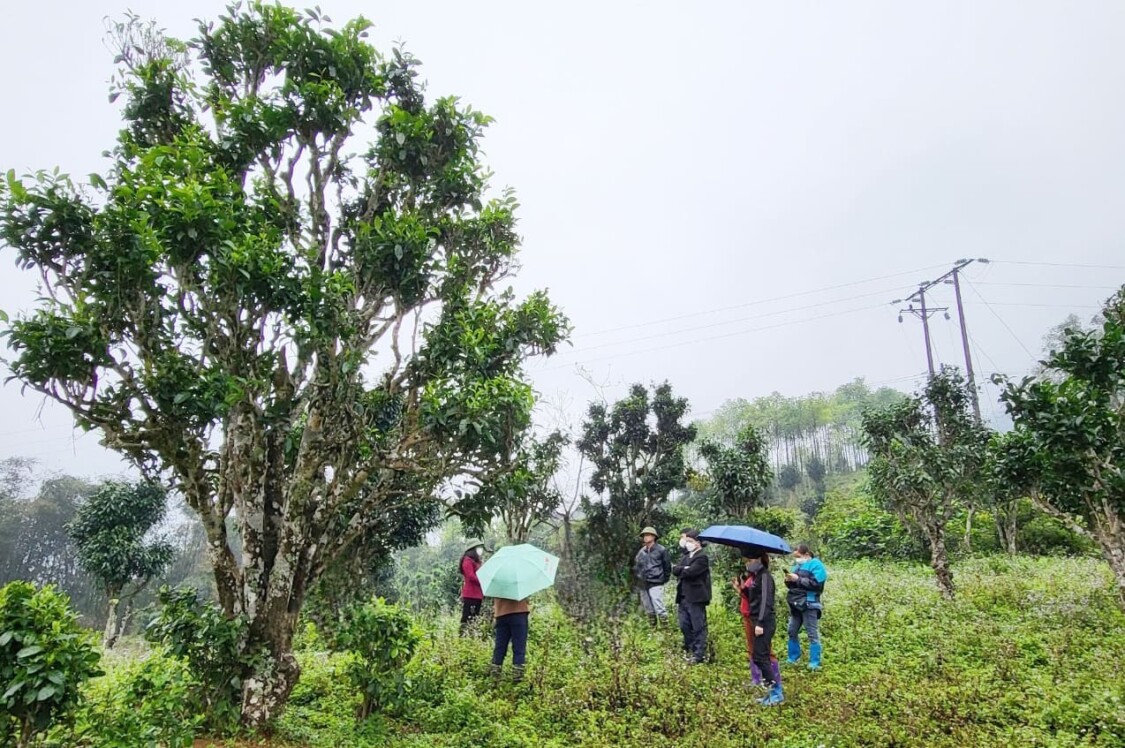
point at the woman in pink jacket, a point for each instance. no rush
(471, 594)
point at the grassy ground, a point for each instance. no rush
(1029, 654)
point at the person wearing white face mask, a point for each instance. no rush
(472, 596)
(693, 594)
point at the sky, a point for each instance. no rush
(724, 195)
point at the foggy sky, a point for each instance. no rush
(681, 164)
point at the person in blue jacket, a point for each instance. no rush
(805, 582)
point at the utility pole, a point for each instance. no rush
(924, 313)
(965, 341)
(926, 329)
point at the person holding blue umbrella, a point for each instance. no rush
(761, 604)
(510, 577)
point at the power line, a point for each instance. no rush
(1060, 264)
(715, 337)
(1002, 322)
(724, 322)
(1047, 285)
(1046, 306)
(760, 301)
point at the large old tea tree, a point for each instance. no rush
(301, 331)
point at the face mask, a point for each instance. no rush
(479, 552)
(683, 543)
(691, 546)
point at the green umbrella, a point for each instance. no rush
(517, 571)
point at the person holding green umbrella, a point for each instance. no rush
(512, 575)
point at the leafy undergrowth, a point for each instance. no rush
(1029, 655)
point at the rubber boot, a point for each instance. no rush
(517, 673)
(775, 697)
(814, 656)
(494, 671)
(775, 666)
(794, 651)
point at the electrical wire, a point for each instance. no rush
(1047, 285)
(1002, 322)
(1045, 306)
(715, 337)
(1058, 264)
(759, 302)
(712, 325)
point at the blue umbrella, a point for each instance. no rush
(745, 538)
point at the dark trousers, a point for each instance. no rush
(470, 609)
(693, 624)
(762, 645)
(510, 629)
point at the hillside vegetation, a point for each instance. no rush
(1028, 654)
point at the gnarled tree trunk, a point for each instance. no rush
(939, 559)
(1007, 529)
(109, 638)
(1109, 531)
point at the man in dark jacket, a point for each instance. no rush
(651, 568)
(693, 595)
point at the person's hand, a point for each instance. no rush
(759, 631)
(789, 576)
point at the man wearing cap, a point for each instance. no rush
(651, 568)
(693, 594)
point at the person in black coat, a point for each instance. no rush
(762, 599)
(693, 595)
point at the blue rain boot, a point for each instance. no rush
(774, 697)
(794, 651)
(814, 656)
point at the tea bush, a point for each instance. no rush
(44, 659)
(140, 704)
(381, 639)
(210, 643)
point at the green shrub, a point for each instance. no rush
(854, 526)
(211, 645)
(983, 538)
(382, 639)
(322, 708)
(777, 520)
(140, 704)
(44, 659)
(1042, 535)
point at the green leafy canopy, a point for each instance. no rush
(285, 294)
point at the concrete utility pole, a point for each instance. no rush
(965, 341)
(924, 313)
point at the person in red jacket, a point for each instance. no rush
(471, 594)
